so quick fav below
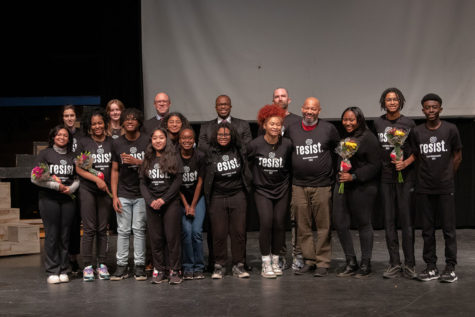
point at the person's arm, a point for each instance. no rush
(196, 196)
(457, 159)
(173, 189)
(129, 159)
(185, 203)
(91, 177)
(402, 164)
(47, 184)
(114, 184)
(370, 147)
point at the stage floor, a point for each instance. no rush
(24, 291)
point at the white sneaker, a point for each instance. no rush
(64, 278)
(53, 279)
(275, 265)
(267, 271)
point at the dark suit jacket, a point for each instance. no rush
(242, 128)
(150, 125)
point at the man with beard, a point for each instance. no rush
(314, 141)
(281, 98)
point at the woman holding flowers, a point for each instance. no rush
(356, 201)
(93, 165)
(55, 174)
(397, 182)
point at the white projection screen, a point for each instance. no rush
(343, 52)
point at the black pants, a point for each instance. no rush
(58, 217)
(228, 216)
(430, 207)
(164, 228)
(95, 210)
(397, 202)
(272, 214)
(75, 235)
(356, 203)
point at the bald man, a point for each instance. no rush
(162, 104)
(314, 141)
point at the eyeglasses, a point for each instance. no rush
(160, 101)
(224, 135)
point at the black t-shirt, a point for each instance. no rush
(115, 133)
(76, 135)
(270, 166)
(101, 153)
(156, 183)
(227, 174)
(435, 149)
(193, 168)
(312, 162)
(60, 165)
(128, 186)
(388, 171)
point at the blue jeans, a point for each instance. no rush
(133, 218)
(192, 239)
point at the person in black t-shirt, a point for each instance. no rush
(192, 205)
(361, 188)
(396, 197)
(226, 183)
(173, 123)
(114, 109)
(162, 103)
(57, 207)
(312, 177)
(128, 152)
(160, 180)
(269, 156)
(69, 118)
(96, 203)
(439, 154)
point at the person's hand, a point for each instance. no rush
(345, 177)
(157, 203)
(190, 212)
(399, 165)
(128, 159)
(117, 205)
(101, 184)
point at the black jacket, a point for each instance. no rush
(243, 130)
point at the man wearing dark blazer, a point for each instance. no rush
(162, 104)
(223, 109)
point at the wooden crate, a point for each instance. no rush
(22, 233)
(9, 215)
(5, 195)
(14, 248)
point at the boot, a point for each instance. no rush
(350, 268)
(275, 265)
(365, 269)
(267, 271)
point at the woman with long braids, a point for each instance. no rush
(359, 194)
(227, 181)
(96, 203)
(192, 205)
(56, 204)
(114, 109)
(160, 180)
(270, 156)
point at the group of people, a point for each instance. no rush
(164, 183)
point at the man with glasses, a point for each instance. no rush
(162, 104)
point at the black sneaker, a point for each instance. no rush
(448, 276)
(75, 268)
(392, 271)
(428, 274)
(240, 271)
(305, 269)
(174, 278)
(409, 272)
(158, 277)
(121, 272)
(198, 275)
(139, 273)
(321, 272)
(364, 271)
(188, 275)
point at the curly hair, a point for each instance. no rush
(168, 160)
(235, 141)
(184, 121)
(86, 120)
(399, 95)
(269, 111)
(133, 112)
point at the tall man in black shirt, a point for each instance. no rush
(162, 104)
(439, 154)
(314, 141)
(281, 98)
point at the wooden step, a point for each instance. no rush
(22, 232)
(9, 215)
(5, 195)
(35, 222)
(15, 248)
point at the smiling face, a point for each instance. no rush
(69, 118)
(273, 126)
(131, 124)
(162, 103)
(223, 107)
(97, 126)
(159, 140)
(349, 121)
(311, 109)
(391, 102)
(174, 124)
(61, 138)
(186, 140)
(431, 109)
(115, 112)
(223, 136)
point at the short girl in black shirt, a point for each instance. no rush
(57, 207)
(160, 180)
(270, 156)
(361, 187)
(227, 180)
(96, 203)
(173, 123)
